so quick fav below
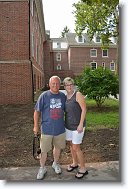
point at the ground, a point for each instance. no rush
(16, 125)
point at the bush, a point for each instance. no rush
(98, 84)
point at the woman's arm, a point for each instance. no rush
(81, 100)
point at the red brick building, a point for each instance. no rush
(72, 54)
(22, 37)
(28, 57)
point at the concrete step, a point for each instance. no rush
(101, 171)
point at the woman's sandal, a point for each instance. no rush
(82, 174)
(71, 168)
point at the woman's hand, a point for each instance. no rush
(80, 128)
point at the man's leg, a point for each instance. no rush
(56, 154)
(45, 145)
(42, 170)
(55, 165)
(43, 159)
(59, 143)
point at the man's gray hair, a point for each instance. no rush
(53, 77)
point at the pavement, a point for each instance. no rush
(100, 171)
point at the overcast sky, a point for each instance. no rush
(57, 15)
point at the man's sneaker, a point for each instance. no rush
(41, 173)
(57, 168)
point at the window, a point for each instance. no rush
(105, 53)
(58, 57)
(34, 82)
(80, 39)
(36, 51)
(38, 55)
(93, 65)
(32, 7)
(32, 51)
(112, 66)
(58, 67)
(58, 45)
(93, 53)
(98, 40)
(103, 65)
(38, 82)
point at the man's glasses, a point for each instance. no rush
(55, 84)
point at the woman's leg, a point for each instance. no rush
(74, 155)
(79, 155)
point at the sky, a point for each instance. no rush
(57, 15)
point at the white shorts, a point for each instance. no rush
(74, 136)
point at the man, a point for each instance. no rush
(50, 106)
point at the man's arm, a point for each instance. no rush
(36, 122)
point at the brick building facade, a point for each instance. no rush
(71, 55)
(22, 36)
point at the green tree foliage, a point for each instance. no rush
(65, 30)
(98, 84)
(97, 17)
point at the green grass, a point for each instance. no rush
(105, 117)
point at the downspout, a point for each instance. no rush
(30, 56)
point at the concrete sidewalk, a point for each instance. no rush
(101, 171)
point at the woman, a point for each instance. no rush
(75, 109)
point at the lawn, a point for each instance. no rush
(105, 117)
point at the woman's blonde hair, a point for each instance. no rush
(68, 79)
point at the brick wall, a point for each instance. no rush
(37, 57)
(64, 60)
(14, 30)
(48, 61)
(15, 83)
(80, 58)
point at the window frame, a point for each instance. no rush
(103, 52)
(58, 57)
(103, 65)
(93, 63)
(58, 67)
(112, 66)
(91, 52)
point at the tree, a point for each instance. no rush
(65, 30)
(100, 17)
(97, 16)
(98, 84)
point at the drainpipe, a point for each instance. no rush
(30, 56)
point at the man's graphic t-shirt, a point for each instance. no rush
(51, 107)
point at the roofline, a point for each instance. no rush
(91, 45)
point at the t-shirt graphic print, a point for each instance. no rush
(55, 108)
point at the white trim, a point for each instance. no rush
(95, 51)
(37, 69)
